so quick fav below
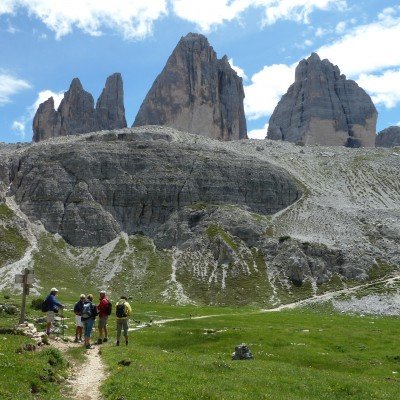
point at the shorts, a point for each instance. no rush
(78, 321)
(103, 322)
(50, 316)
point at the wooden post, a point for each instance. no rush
(26, 280)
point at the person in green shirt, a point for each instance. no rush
(123, 311)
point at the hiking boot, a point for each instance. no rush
(76, 340)
(117, 344)
(99, 341)
(105, 340)
(80, 340)
(88, 347)
(126, 342)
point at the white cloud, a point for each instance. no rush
(6, 6)
(367, 48)
(239, 71)
(207, 13)
(384, 89)
(321, 32)
(132, 18)
(296, 10)
(341, 27)
(19, 126)
(42, 97)
(9, 85)
(266, 89)
(258, 133)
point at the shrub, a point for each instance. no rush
(37, 303)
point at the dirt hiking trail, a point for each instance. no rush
(85, 379)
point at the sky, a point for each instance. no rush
(44, 44)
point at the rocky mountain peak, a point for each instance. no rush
(325, 108)
(197, 93)
(47, 121)
(389, 137)
(110, 110)
(77, 114)
(75, 85)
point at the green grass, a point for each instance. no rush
(5, 213)
(12, 244)
(54, 266)
(214, 230)
(297, 355)
(30, 374)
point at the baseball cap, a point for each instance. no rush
(54, 289)
(102, 292)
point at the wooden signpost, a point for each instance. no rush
(26, 280)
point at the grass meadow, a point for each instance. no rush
(298, 354)
(308, 353)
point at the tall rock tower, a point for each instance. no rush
(110, 110)
(196, 92)
(323, 107)
(76, 113)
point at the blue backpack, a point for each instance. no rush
(87, 310)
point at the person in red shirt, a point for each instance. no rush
(103, 309)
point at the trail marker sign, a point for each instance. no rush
(26, 280)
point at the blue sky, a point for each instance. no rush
(44, 44)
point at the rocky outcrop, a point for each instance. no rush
(76, 113)
(389, 137)
(110, 110)
(90, 188)
(196, 92)
(47, 121)
(323, 107)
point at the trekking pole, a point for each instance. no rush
(62, 323)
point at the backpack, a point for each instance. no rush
(120, 310)
(109, 307)
(45, 305)
(87, 310)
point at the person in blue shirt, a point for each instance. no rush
(53, 305)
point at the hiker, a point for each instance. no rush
(89, 313)
(51, 306)
(78, 307)
(123, 311)
(104, 310)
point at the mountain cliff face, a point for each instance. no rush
(76, 113)
(196, 92)
(90, 189)
(323, 107)
(389, 137)
(184, 218)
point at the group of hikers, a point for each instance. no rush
(86, 313)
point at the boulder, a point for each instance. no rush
(322, 107)
(389, 137)
(196, 92)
